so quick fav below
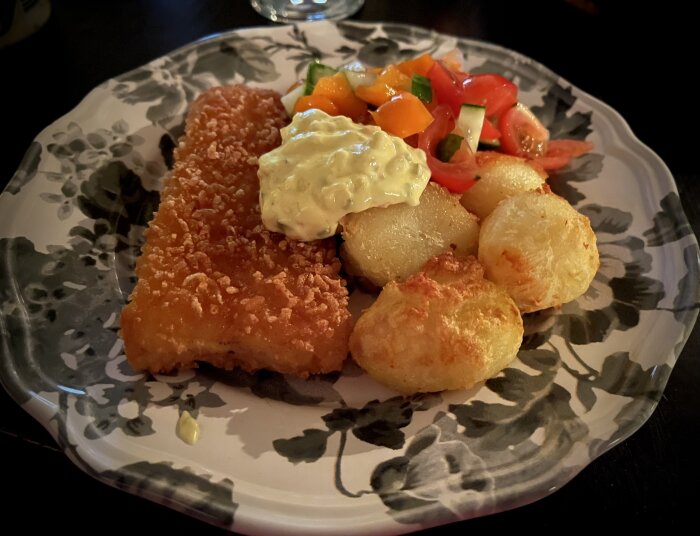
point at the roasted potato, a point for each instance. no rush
(500, 176)
(446, 327)
(539, 248)
(385, 244)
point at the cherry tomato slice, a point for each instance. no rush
(489, 133)
(493, 91)
(552, 163)
(572, 148)
(522, 134)
(447, 87)
(560, 153)
(459, 174)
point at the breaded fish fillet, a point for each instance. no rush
(213, 284)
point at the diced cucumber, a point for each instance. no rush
(489, 144)
(469, 122)
(290, 99)
(359, 78)
(355, 65)
(315, 72)
(448, 147)
(357, 74)
(421, 87)
(454, 57)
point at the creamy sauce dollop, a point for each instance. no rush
(188, 428)
(329, 166)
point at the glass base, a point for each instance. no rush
(305, 10)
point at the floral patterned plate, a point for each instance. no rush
(338, 451)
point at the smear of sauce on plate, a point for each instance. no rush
(187, 428)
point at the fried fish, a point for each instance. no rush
(213, 284)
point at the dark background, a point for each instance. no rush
(638, 58)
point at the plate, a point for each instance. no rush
(587, 376)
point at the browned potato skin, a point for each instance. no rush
(540, 249)
(391, 243)
(500, 176)
(446, 327)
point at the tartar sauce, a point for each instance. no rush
(187, 428)
(328, 167)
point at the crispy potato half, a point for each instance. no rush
(540, 249)
(446, 327)
(391, 243)
(500, 176)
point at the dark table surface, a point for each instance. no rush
(634, 61)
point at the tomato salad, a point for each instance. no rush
(434, 105)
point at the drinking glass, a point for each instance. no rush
(301, 10)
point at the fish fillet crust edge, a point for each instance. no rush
(213, 284)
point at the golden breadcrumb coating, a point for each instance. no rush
(213, 284)
(445, 327)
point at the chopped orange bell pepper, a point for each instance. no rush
(376, 94)
(403, 115)
(339, 91)
(390, 82)
(320, 102)
(391, 76)
(420, 65)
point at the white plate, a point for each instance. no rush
(336, 452)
